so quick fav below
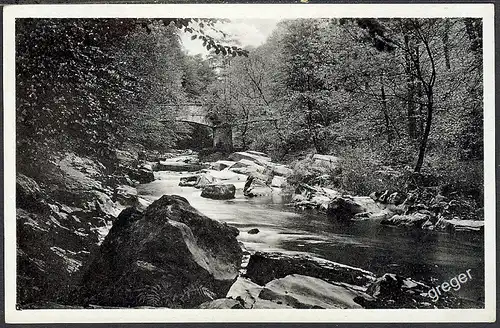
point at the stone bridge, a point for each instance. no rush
(198, 114)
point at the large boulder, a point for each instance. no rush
(264, 267)
(282, 170)
(313, 197)
(278, 182)
(187, 163)
(344, 208)
(303, 292)
(72, 175)
(208, 177)
(245, 290)
(415, 220)
(255, 187)
(177, 166)
(461, 225)
(245, 166)
(54, 241)
(218, 191)
(259, 158)
(141, 175)
(221, 165)
(171, 255)
(189, 181)
(227, 176)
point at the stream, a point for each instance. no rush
(432, 257)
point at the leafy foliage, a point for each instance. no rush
(165, 295)
(90, 85)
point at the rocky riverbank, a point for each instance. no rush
(422, 207)
(274, 280)
(84, 231)
(64, 215)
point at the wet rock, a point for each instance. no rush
(187, 163)
(264, 267)
(389, 197)
(245, 290)
(253, 231)
(115, 180)
(278, 182)
(170, 255)
(227, 176)
(141, 175)
(125, 158)
(255, 187)
(461, 225)
(304, 292)
(251, 156)
(307, 196)
(52, 247)
(415, 220)
(126, 195)
(189, 181)
(387, 286)
(247, 167)
(343, 208)
(177, 166)
(221, 165)
(221, 303)
(218, 191)
(282, 170)
(28, 192)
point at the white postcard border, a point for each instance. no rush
(271, 11)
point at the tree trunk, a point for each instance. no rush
(421, 119)
(410, 94)
(446, 44)
(386, 116)
(425, 136)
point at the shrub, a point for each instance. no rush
(358, 172)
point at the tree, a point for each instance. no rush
(77, 88)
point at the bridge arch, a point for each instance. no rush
(222, 134)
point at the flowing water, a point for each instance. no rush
(430, 256)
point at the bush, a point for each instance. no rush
(359, 167)
(457, 178)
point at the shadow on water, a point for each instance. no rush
(430, 256)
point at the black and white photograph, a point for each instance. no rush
(237, 160)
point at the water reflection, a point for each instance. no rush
(425, 255)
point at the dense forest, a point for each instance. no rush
(404, 93)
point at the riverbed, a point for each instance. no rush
(433, 257)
